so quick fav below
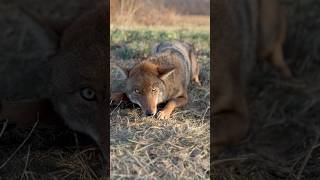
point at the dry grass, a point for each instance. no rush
(176, 148)
(160, 149)
(47, 154)
(128, 13)
(159, 13)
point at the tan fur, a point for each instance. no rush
(243, 31)
(161, 78)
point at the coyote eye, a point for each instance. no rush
(88, 94)
(137, 91)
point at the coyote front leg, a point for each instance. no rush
(118, 96)
(171, 105)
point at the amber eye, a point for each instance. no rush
(88, 94)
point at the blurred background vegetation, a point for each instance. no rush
(160, 13)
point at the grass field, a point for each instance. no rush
(150, 148)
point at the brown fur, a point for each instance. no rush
(243, 31)
(162, 78)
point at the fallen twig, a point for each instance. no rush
(4, 127)
(20, 146)
(308, 156)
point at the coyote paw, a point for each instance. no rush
(163, 114)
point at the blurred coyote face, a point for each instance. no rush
(77, 77)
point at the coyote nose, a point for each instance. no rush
(149, 113)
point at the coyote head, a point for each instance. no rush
(79, 78)
(145, 85)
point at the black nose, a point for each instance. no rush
(149, 113)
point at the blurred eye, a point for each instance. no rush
(154, 90)
(88, 94)
(137, 91)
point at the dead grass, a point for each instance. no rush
(48, 154)
(158, 13)
(176, 148)
(134, 12)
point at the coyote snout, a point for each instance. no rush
(147, 100)
(145, 87)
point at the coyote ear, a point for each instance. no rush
(164, 73)
(124, 70)
(46, 35)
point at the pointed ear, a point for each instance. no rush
(164, 73)
(48, 38)
(124, 70)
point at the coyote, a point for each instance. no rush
(161, 78)
(74, 80)
(243, 31)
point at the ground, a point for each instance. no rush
(285, 127)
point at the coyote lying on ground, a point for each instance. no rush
(243, 31)
(161, 78)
